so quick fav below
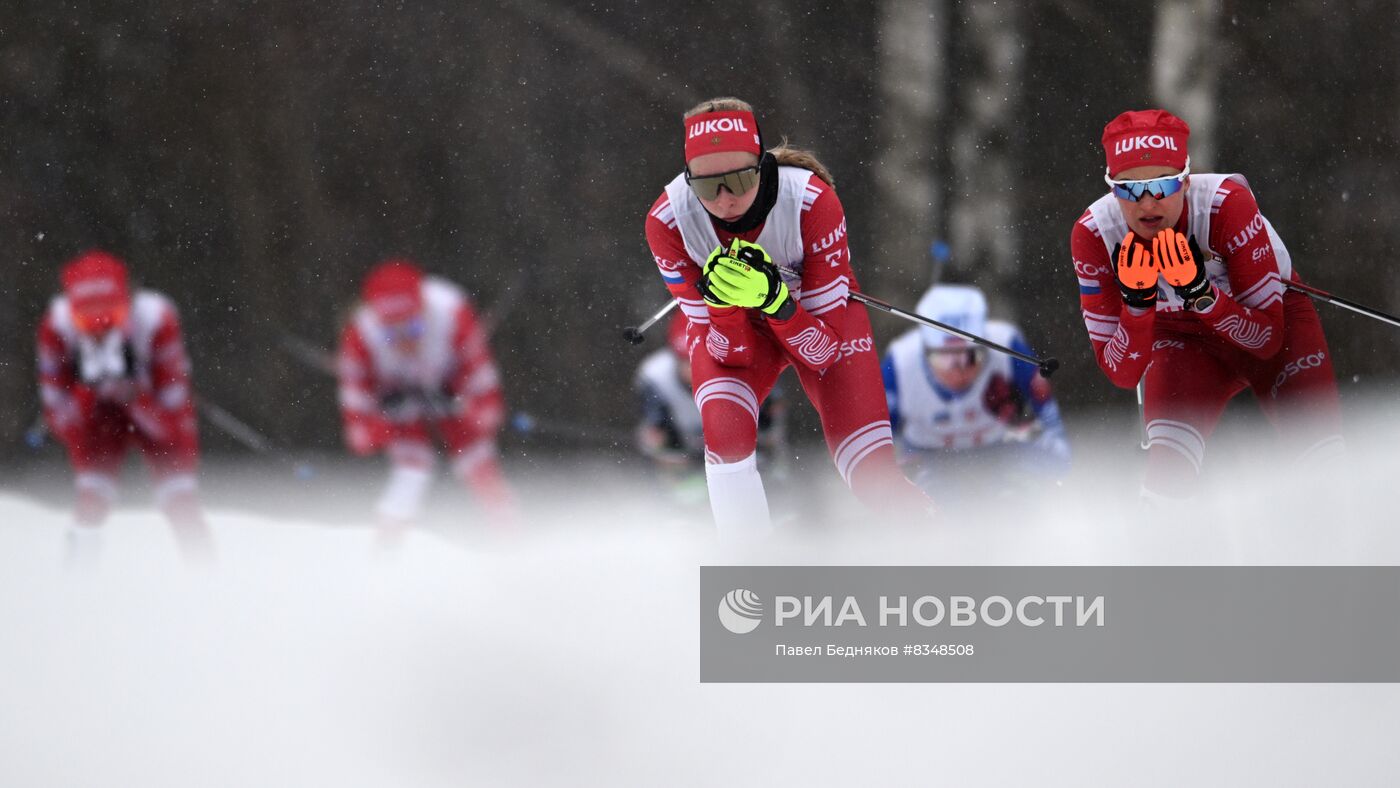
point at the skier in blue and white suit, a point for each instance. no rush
(955, 405)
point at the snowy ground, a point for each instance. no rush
(568, 654)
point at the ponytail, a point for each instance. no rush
(789, 156)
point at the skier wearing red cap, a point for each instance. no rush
(414, 362)
(113, 372)
(752, 244)
(1181, 281)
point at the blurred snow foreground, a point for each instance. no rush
(566, 653)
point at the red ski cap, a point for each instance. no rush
(1142, 138)
(394, 290)
(95, 283)
(720, 132)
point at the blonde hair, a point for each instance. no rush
(785, 154)
(789, 156)
(721, 104)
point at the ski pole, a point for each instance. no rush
(248, 437)
(231, 426)
(1323, 295)
(309, 354)
(227, 423)
(1142, 416)
(1047, 366)
(634, 334)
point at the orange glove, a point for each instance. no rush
(1178, 259)
(1136, 273)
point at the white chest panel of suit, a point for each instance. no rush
(928, 420)
(434, 359)
(125, 353)
(1201, 200)
(781, 236)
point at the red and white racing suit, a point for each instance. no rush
(1257, 335)
(737, 354)
(394, 398)
(130, 386)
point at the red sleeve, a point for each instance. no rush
(58, 381)
(1251, 319)
(170, 365)
(725, 332)
(355, 375)
(167, 409)
(1120, 335)
(813, 332)
(476, 384)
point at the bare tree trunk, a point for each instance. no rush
(1186, 70)
(985, 237)
(912, 73)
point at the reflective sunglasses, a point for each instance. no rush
(706, 187)
(1157, 188)
(404, 330)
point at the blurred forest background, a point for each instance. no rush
(254, 159)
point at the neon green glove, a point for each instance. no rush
(703, 285)
(744, 275)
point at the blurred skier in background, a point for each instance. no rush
(670, 431)
(1181, 287)
(753, 245)
(968, 421)
(413, 366)
(113, 373)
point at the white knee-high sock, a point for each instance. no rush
(737, 499)
(96, 492)
(402, 499)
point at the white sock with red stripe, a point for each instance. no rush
(737, 500)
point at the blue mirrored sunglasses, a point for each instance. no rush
(404, 330)
(1158, 188)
